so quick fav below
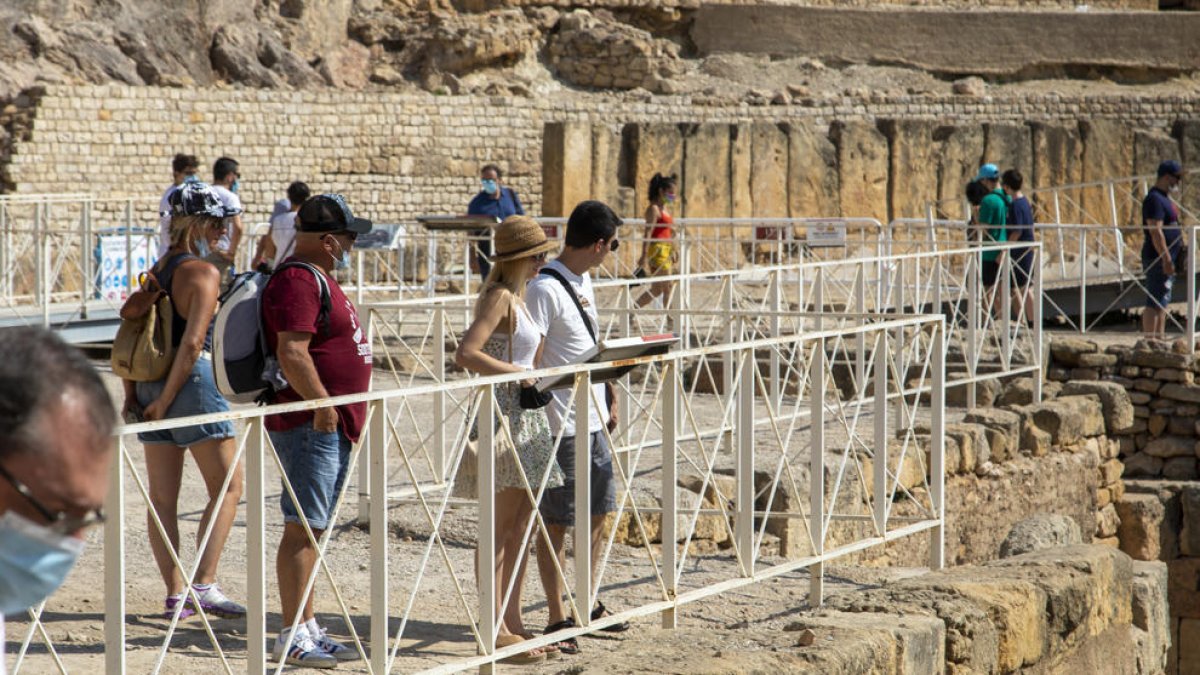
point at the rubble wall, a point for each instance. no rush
(400, 155)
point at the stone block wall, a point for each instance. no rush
(399, 155)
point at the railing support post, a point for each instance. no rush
(670, 448)
(744, 518)
(937, 471)
(583, 497)
(256, 562)
(377, 437)
(485, 487)
(816, 466)
(114, 564)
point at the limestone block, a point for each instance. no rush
(706, 190)
(1150, 148)
(1183, 588)
(862, 169)
(1069, 418)
(1151, 614)
(812, 172)
(655, 148)
(1017, 392)
(912, 167)
(1056, 161)
(906, 475)
(912, 640)
(1098, 360)
(1189, 536)
(739, 169)
(1188, 134)
(1118, 409)
(606, 163)
(1034, 441)
(960, 152)
(1170, 446)
(769, 170)
(972, 443)
(1148, 358)
(1180, 392)
(1041, 531)
(1107, 522)
(1006, 423)
(1107, 152)
(1068, 350)
(1181, 426)
(1189, 646)
(1180, 468)
(1143, 519)
(1009, 146)
(1110, 471)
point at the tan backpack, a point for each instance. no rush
(143, 350)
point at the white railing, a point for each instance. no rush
(873, 458)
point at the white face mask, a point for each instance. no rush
(344, 261)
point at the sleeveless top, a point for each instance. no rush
(526, 339)
(178, 322)
(664, 218)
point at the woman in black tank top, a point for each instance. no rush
(189, 389)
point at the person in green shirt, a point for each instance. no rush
(993, 216)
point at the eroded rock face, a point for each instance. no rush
(595, 50)
(1040, 532)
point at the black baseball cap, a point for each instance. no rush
(329, 213)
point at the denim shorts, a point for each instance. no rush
(198, 396)
(315, 462)
(558, 504)
(1158, 285)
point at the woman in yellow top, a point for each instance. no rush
(658, 251)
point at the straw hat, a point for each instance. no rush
(519, 237)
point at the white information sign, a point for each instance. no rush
(113, 278)
(827, 233)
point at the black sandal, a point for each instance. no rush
(600, 612)
(566, 645)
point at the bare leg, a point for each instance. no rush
(294, 562)
(164, 469)
(512, 515)
(552, 584)
(214, 459)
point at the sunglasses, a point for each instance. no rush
(59, 522)
(613, 244)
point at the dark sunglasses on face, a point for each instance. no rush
(613, 244)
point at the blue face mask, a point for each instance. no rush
(342, 262)
(33, 562)
(489, 186)
(236, 184)
(202, 248)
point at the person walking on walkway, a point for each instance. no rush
(322, 351)
(993, 216)
(658, 248)
(1020, 228)
(197, 223)
(504, 338)
(494, 200)
(1162, 245)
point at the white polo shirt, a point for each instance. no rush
(567, 338)
(283, 233)
(230, 200)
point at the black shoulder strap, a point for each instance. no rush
(578, 305)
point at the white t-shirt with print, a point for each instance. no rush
(164, 221)
(230, 200)
(567, 338)
(283, 233)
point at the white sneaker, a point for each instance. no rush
(214, 602)
(304, 651)
(336, 649)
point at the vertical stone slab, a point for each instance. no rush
(566, 166)
(862, 169)
(1188, 134)
(960, 151)
(706, 192)
(656, 148)
(1107, 153)
(1009, 146)
(739, 171)
(911, 165)
(769, 170)
(606, 164)
(812, 172)
(1057, 160)
(1149, 149)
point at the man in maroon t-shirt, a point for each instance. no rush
(323, 351)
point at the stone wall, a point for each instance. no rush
(399, 155)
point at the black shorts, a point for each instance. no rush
(558, 504)
(1022, 268)
(991, 272)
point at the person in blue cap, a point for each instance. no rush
(993, 216)
(1161, 246)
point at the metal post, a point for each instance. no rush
(937, 471)
(776, 303)
(744, 517)
(819, 298)
(1083, 280)
(377, 449)
(1116, 223)
(727, 356)
(974, 299)
(860, 340)
(47, 283)
(5, 253)
(85, 257)
(114, 564)
(1062, 249)
(359, 277)
(1038, 348)
(670, 448)
(881, 439)
(440, 459)
(1005, 319)
(256, 561)
(130, 281)
(816, 465)
(486, 489)
(583, 497)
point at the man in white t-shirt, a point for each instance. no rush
(591, 235)
(183, 168)
(279, 242)
(226, 174)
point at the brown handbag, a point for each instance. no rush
(143, 349)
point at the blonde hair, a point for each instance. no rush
(187, 229)
(508, 275)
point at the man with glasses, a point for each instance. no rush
(563, 305)
(1161, 247)
(323, 351)
(226, 181)
(56, 421)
